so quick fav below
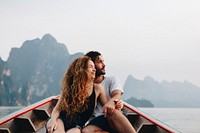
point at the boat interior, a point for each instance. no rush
(33, 119)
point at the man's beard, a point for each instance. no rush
(99, 72)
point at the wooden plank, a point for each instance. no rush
(27, 109)
(42, 130)
(4, 130)
(54, 101)
(133, 118)
(39, 124)
(48, 107)
(150, 119)
(41, 113)
(147, 128)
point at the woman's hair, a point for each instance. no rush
(74, 83)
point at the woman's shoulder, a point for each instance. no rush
(97, 86)
(98, 89)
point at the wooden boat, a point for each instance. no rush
(32, 119)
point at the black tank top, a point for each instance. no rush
(83, 117)
(80, 118)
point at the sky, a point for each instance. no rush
(156, 38)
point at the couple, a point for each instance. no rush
(80, 92)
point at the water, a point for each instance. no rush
(185, 120)
(7, 110)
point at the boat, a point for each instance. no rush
(32, 119)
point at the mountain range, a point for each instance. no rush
(163, 94)
(34, 72)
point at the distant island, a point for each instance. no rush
(34, 71)
(139, 103)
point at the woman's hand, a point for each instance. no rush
(119, 104)
(108, 108)
(51, 125)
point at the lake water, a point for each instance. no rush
(7, 110)
(185, 120)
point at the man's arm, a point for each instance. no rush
(115, 96)
(115, 89)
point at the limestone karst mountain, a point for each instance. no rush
(34, 71)
(162, 94)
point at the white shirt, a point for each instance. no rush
(109, 84)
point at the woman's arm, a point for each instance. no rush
(102, 95)
(107, 108)
(52, 124)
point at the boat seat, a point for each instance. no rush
(54, 101)
(133, 118)
(41, 113)
(40, 118)
(32, 121)
(25, 124)
(137, 121)
(4, 130)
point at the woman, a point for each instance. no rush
(78, 98)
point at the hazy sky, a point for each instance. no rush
(157, 38)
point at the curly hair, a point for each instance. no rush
(74, 84)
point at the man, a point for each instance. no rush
(113, 120)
